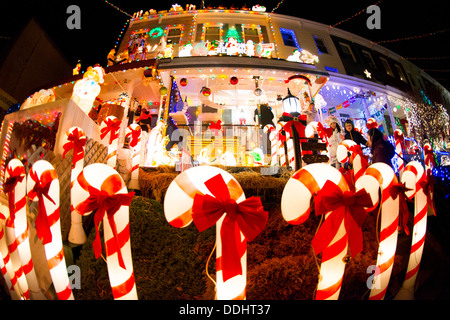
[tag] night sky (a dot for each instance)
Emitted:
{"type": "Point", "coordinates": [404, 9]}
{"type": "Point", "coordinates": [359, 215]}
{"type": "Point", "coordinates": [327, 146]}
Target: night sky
{"type": "Point", "coordinates": [101, 25]}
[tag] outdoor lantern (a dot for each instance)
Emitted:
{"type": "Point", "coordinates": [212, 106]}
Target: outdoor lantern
{"type": "Point", "coordinates": [291, 104]}
{"type": "Point", "coordinates": [295, 125]}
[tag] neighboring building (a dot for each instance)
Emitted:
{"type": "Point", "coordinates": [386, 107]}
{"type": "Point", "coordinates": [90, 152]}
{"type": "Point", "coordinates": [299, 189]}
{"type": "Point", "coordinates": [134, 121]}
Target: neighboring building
{"type": "Point", "coordinates": [30, 61]}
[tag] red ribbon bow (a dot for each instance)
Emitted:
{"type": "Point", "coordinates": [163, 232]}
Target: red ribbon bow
{"type": "Point", "coordinates": [324, 133]}
{"type": "Point", "coordinates": [76, 140]}
{"type": "Point", "coordinates": [105, 201]}
{"type": "Point", "coordinates": [215, 125]}
{"type": "Point", "coordinates": [427, 185]}
{"type": "Point", "coordinates": [346, 206]}
{"type": "Point", "coordinates": [298, 122]}
{"type": "Point", "coordinates": [398, 136]}
{"type": "Point", "coordinates": [399, 189]}
{"type": "Point", "coordinates": [356, 150]}
{"type": "Point", "coordinates": [282, 135]}
{"type": "Point", "coordinates": [15, 176]}
{"type": "Point", "coordinates": [429, 156]}
{"type": "Point", "coordinates": [40, 190]}
{"type": "Point", "coordinates": [247, 216]}
{"type": "Point", "coordinates": [112, 126]}
{"type": "Point", "coordinates": [134, 134]}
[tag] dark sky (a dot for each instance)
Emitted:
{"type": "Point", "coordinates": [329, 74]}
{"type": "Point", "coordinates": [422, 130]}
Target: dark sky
{"type": "Point", "coordinates": [101, 24]}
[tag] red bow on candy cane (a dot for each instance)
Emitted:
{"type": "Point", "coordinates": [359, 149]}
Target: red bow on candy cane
{"type": "Point", "coordinates": [298, 122]}
{"type": "Point", "coordinates": [346, 206]}
{"type": "Point", "coordinates": [40, 190]}
{"type": "Point", "coordinates": [399, 189]}
{"type": "Point", "coordinates": [429, 156]}
{"type": "Point", "coordinates": [247, 216]}
{"type": "Point", "coordinates": [15, 176]}
{"type": "Point", "coordinates": [356, 149]}
{"type": "Point", "coordinates": [105, 201]}
{"type": "Point", "coordinates": [282, 135]}
{"type": "Point", "coordinates": [427, 185]}
{"type": "Point", "coordinates": [76, 140]}
{"type": "Point", "coordinates": [215, 126]}
{"type": "Point", "coordinates": [112, 126]}
{"type": "Point", "coordinates": [134, 136]}
{"type": "Point", "coordinates": [324, 133]}
{"type": "Point", "coordinates": [398, 136]}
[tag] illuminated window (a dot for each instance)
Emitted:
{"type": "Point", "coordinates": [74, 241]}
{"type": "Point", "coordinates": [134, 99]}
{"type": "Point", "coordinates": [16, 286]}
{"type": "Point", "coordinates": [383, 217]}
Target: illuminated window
{"type": "Point", "coordinates": [174, 35]}
{"type": "Point", "coordinates": [289, 38]}
{"type": "Point", "coordinates": [251, 33]}
{"type": "Point", "coordinates": [212, 33]}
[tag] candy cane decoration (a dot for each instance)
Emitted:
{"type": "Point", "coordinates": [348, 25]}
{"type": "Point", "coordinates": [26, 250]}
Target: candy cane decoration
{"type": "Point", "coordinates": [17, 226]}
{"type": "Point", "coordinates": [109, 133]}
{"type": "Point", "coordinates": [399, 147]}
{"type": "Point", "coordinates": [99, 187]}
{"type": "Point", "coordinates": [295, 208]}
{"type": "Point", "coordinates": [6, 265]}
{"type": "Point", "coordinates": [43, 186]}
{"type": "Point", "coordinates": [76, 141]}
{"type": "Point", "coordinates": [133, 132]}
{"type": "Point", "coordinates": [430, 163]}
{"type": "Point", "coordinates": [385, 176]}
{"type": "Point", "coordinates": [414, 177]}
{"type": "Point", "coordinates": [281, 138]}
{"type": "Point", "coordinates": [192, 189]}
{"type": "Point", "coordinates": [348, 150]}
{"type": "Point", "coordinates": [270, 130]}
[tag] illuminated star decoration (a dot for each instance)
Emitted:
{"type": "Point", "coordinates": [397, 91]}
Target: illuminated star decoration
{"type": "Point", "coordinates": [367, 73]}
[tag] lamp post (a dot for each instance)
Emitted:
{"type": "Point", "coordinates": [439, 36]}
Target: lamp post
{"type": "Point", "coordinates": [296, 124]}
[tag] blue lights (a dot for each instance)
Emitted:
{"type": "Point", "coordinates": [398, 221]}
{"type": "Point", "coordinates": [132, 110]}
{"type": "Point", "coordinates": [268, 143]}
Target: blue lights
{"type": "Point", "coordinates": [289, 38]}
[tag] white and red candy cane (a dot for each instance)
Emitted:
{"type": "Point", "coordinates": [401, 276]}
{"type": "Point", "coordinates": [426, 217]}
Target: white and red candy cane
{"type": "Point", "coordinates": [76, 141]}
{"type": "Point", "coordinates": [17, 226]}
{"type": "Point", "coordinates": [109, 133]}
{"type": "Point", "coordinates": [133, 132]}
{"type": "Point", "coordinates": [178, 203]}
{"type": "Point", "coordinates": [295, 208]}
{"type": "Point", "coordinates": [430, 163]}
{"type": "Point", "coordinates": [272, 134]}
{"type": "Point", "coordinates": [101, 180]}
{"type": "Point", "coordinates": [413, 176]}
{"type": "Point", "coordinates": [280, 144]}
{"type": "Point", "coordinates": [43, 186]}
{"type": "Point", "coordinates": [385, 177]}
{"type": "Point", "coordinates": [356, 157]}
{"type": "Point", "coordinates": [6, 265]}
{"type": "Point", "coordinates": [399, 147]}
{"type": "Point", "coordinates": [289, 158]}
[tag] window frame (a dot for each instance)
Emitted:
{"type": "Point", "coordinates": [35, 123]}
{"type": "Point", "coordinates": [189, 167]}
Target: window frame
{"type": "Point", "coordinates": [324, 45]}
{"type": "Point", "coordinates": [401, 73]}
{"type": "Point", "coordinates": [180, 37]}
{"type": "Point", "coordinates": [386, 66]}
{"type": "Point", "coordinates": [212, 25]}
{"type": "Point", "coordinates": [294, 37]}
{"type": "Point", "coordinates": [369, 56]}
{"type": "Point", "coordinates": [351, 54]}
{"type": "Point", "coordinates": [258, 33]}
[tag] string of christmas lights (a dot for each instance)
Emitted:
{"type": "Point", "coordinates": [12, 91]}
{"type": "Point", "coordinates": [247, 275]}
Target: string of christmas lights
{"type": "Point", "coordinates": [353, 16]}
{"type": "Point", "coordinates": [413, 37]}
{"type": "Point", "coordinates": [428, 58]}
{"type": "Point", "coordinates": [118, 9]}
{"type": "Point", "coordinates": [276, 7]}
